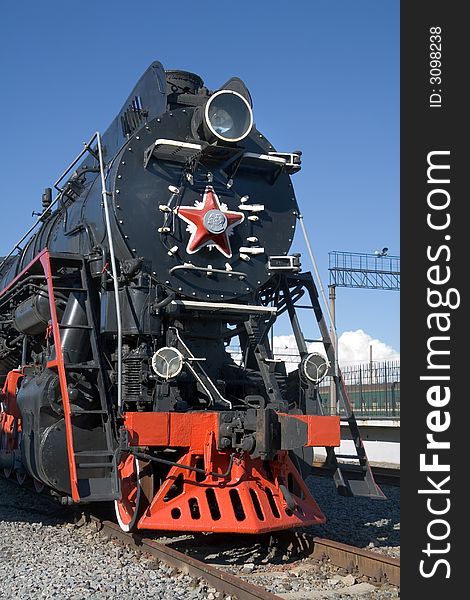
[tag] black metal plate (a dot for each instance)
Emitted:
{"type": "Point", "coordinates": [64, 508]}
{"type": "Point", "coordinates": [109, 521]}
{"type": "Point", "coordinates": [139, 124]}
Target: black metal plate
{"type": "Point", "coordinates": [139, 191]}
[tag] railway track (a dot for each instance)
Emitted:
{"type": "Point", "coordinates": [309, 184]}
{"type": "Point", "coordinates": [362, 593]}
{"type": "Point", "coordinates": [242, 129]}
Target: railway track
{"type": "Point", "coordinates": [376, 567]}
{"type": "Point", "coordinates": [379, 569]}
{"type": "Point", "coordinates": [223, 582]}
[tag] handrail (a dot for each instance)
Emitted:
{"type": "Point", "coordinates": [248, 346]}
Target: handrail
{"type": "Point", "coordinates": [209, 271]}
{"type": "Point", "coordinates": [322, 292]}
{"type": "Point", "coordinates": [105, 196]}
{"type": "Point", "coordinates": [86, 148]}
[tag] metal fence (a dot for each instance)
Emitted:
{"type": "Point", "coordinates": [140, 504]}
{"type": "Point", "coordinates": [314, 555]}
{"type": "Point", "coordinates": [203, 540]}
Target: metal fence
{"type": "Point", "coordinates": [373, 389]}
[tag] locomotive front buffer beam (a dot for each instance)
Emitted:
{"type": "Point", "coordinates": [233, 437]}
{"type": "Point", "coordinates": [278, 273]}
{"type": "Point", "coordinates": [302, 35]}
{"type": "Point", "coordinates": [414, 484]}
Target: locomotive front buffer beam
{"type": "Point", "coordinates": [235, 470]}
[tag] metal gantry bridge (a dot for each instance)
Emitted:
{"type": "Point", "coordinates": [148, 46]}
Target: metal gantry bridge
{"type": "Point", "coordinates": [368, 271]}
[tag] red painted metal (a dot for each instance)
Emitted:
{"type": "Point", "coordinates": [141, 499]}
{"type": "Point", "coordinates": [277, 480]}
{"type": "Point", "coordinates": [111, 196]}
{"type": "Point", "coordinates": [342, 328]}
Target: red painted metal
{"type": "Point", "coordinates": [44, 259]}
{"type": "Point", "coordinates": [201, 234]}
{"type": "Point", "coordinates": [322, 430]}
{"type": "Point", "coordinates": [255, 497]}
{"type": "Point", "coordinates": [188, 430]}
{"type": "Point", "coordinates": [8, 394]}
{"type": "Point", "coordinates": [23, 272]}
{"type": "Point", "coordinates": [249, 500]}
{"type": "Point", "coordinates": [10, 421]}
{"type": "Point", "coordinates": [175, 430]}
{"type": "Point", "coordinates": [128, 504]}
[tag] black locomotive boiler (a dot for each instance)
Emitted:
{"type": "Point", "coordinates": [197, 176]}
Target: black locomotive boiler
{"type": "Point", "coordinates": [167, 240]}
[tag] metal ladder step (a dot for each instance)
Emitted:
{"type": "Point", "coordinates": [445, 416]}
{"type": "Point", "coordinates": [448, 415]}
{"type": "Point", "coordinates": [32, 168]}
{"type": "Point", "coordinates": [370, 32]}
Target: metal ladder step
{"type": "Point", "coordinates": [348, 468]}
{"type": "Point", "coordinates": [97, 465]}
{"type": "Point", "coordinates": [94, 453]}
{"type": "Point", "coordinates": [349, 456]}
{"type": "Point", "coordinates": [76, 413]}
{"type": "Point", "coordinates": [69, 289]}
{"type": "Point", "coordinates": [81, 366]}
{"type": "Point", "coordinates": [96, 490]}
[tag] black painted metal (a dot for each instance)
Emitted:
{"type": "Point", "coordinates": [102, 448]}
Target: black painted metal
{"type": "Point", "coordinates": [170, 295]}
{"type": "Point", "coordinates": [138, 191]}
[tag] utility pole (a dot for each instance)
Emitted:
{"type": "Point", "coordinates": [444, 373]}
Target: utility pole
{"type": "Point", "coordinates": [332, 296]}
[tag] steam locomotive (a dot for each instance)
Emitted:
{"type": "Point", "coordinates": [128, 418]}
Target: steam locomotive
{"type": "Point", "coordinates": [167, 239]}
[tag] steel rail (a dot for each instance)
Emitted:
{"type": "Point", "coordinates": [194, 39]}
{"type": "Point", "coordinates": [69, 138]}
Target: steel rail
{"type": "Point", "coordinates": [379, 567]}
{"type": "Point", "coordinates": [372, 564]}
{"type": "Point", "coordinates": [223, 582]}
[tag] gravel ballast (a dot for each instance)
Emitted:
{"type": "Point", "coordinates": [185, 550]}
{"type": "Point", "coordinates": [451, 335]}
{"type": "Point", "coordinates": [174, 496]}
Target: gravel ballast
{"type": "Point", "coordinates": [370, 524]}
{"type": "Point", "coordinates": [44, 556]}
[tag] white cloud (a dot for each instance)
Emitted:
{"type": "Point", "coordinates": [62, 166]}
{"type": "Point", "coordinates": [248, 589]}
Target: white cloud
{"type": "Point", "coordinates": [353, 348]}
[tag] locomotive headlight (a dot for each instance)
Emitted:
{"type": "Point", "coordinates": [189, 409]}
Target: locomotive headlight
{"type": "Point", "coordinates": [228, 116]}
{"type": "Point", "coordinates": [314, 367]}
{"type": "Point", "coordinates": [167, 362]}
{"type": "Point", "coordinates": [220, 120]}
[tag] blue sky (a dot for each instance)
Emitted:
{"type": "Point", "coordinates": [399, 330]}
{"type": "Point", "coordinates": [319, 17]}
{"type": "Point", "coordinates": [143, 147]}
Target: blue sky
{"type": "Point", "coordinates": [323, 74]}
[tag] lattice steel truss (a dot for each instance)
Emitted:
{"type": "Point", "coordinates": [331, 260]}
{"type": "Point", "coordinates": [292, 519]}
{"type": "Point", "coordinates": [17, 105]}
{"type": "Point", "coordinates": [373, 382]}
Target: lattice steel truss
{"type": "Point", "coordinates": [369, 271]}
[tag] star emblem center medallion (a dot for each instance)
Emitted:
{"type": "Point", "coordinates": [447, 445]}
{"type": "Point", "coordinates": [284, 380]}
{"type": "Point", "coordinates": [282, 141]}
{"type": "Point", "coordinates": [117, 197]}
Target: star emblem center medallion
{"type": "Point", "coordinates": [210, 223]}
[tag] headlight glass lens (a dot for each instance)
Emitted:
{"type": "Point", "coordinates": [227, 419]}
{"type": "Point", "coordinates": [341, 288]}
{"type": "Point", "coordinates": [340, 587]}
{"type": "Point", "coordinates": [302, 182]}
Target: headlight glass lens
{"type": "Point", "coordinates": [228, 116]}
{"type": "Point", "coordinates": [314, 367]}
{"type": "Point", "coordinates": [167, 362]}
{"type": "Point", "coordinates": [220, 120]}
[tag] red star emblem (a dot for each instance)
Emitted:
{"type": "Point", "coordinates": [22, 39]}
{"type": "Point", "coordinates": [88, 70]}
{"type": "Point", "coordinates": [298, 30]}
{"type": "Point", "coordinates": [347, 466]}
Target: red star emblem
{"type": "Point", "coordinates": [209, 223]}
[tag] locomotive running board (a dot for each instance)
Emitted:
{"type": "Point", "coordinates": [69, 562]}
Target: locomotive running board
{"type": "Point", "coordinates": [358, 481]}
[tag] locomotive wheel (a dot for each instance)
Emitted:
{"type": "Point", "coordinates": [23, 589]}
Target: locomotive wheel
{"type": "Point", "coordinates": [136, 491]}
